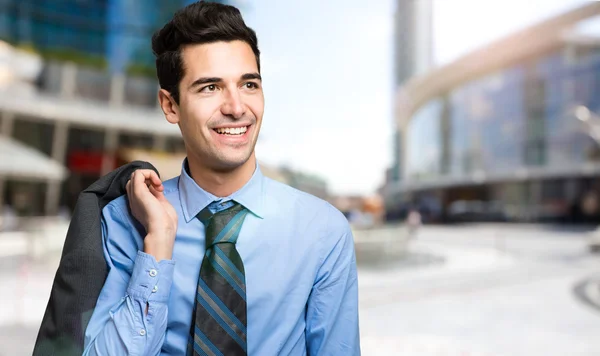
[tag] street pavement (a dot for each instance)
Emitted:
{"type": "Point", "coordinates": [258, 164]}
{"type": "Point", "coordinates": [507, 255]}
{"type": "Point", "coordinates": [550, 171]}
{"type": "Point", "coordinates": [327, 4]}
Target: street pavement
{"type": "Point", "coordinates": [497, 290]}
{"type": "Point", "coordinates": [502, 290]}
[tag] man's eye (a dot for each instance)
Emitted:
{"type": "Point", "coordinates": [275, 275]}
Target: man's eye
{"type": "Point", "coordinates": [251, 85]}
{"type": "Point", "coordinates": [211, 87]}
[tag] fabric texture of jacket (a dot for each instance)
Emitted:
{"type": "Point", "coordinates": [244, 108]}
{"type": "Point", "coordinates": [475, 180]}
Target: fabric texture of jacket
{"type": "Point", "coordinates": [82, 270]}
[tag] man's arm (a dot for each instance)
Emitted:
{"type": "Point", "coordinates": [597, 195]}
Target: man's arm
{"type": "Point", "coordinates": [332, 310]}
{"type": "Point", "coordinates": [130, 317]}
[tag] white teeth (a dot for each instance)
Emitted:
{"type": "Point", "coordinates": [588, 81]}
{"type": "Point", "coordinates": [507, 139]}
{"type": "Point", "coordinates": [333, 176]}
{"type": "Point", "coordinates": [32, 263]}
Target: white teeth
{"type": "Point", "coordinates": [232, 130]}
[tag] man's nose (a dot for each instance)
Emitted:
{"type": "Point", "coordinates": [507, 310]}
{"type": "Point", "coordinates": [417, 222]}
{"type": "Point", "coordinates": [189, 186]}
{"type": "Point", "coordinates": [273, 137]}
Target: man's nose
{"type": "Point", "coordinates": [233, 105]}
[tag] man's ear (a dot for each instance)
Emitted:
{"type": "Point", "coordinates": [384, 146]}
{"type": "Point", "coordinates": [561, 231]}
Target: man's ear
{"type": "Point", "coordinates": [168, 106]}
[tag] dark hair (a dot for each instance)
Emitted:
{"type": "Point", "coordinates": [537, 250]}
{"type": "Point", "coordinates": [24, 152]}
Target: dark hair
{"type": "Point", "coordinates": [198, 23]}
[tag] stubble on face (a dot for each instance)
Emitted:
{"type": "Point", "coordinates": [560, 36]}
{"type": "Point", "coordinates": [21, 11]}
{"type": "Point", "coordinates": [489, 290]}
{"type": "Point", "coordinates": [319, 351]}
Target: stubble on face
{"type": "Point", "coordinates": [221, 104]}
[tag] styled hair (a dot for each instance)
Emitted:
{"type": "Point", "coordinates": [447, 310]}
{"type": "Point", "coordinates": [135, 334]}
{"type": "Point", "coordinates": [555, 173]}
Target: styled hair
{"type": "Point", "coordinates": [198, 23]}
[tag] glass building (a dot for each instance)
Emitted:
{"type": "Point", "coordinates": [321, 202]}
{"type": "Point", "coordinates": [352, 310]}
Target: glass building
{"type": "Point", "coordinates": [413, 46]}
{"type": "Point", "coordinates": [494, 135]}
{"type": "Point", "coordinates": [107, 33]}
{"type": "Point", "coordinates": [50, 25]}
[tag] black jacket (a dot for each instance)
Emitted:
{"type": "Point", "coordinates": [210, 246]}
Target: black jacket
{"type": "Point", "coordinates": [82, 270]}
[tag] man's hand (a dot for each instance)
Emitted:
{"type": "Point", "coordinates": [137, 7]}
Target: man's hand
{"type": "Point", "coordinates": [150, 207]}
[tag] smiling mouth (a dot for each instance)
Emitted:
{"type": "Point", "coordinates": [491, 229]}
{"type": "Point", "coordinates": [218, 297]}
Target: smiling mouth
{"type": "Point", "coordinates": [232, 131]}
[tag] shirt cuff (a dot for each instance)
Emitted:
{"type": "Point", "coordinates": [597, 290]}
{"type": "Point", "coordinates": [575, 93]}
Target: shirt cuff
{"type": "Point", "coordinates": [151, 280]}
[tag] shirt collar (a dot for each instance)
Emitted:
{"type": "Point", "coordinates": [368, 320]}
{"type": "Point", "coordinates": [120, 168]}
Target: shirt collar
{"type": "Point", "coordinates": [194, 199]}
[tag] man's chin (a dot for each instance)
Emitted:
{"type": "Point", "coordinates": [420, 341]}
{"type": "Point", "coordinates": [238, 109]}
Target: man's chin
{"type": "Point", "coordinates": [228, 164]}
{"type": "Point", "coordinates": [221, 160]}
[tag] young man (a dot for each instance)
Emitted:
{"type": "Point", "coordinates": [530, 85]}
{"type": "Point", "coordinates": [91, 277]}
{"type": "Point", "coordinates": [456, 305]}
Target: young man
{"type": "Point", "coordinates": [221, 260]}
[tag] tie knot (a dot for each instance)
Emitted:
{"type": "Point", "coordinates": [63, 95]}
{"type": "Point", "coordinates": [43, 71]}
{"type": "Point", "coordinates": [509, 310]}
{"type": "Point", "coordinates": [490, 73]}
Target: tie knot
{"type": "Point", "coordinates": [223, 226]}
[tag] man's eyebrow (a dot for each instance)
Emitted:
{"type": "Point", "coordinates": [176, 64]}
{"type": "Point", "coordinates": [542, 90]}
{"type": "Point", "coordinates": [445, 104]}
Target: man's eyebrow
{"type": "Point", "coordinates": [249, 76]}
{"type": "Point", "coordinates": [206, 80]}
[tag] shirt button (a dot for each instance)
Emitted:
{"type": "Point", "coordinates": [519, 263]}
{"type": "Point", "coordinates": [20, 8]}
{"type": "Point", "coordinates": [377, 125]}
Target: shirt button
{"type": "Point", "coordinates": [153, 273]}
{"type": "Point", "coordinates": [155, 289]}
{"type": "Point", "coordinates": [142, 332]}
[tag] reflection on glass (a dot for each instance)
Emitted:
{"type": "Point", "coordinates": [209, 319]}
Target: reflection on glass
{"type": "Point", "coordinates": [512, 119]}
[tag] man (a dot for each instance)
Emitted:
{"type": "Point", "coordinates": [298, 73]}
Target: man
{"type": "Point", "coordinates": [221, 260]}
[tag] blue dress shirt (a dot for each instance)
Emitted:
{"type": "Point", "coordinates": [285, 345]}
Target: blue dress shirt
{"type": "Point", "coordinates": [301, 282]}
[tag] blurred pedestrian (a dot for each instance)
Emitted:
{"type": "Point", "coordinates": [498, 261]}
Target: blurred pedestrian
{"type": "Point", "coordinates": [413, 222]}
{"type": "Point", "coordinates": [9, 221]}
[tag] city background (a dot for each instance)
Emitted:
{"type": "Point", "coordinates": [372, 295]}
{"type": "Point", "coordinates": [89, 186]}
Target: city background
{"type": "Point", "coordinates": [461, 139]}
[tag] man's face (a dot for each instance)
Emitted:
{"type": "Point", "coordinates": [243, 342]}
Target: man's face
{"type": "Point", "coordinates": [221, 103]}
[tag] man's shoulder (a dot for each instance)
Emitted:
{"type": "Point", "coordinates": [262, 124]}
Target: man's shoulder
{"type": "Point", "coordinates": [117, 207]}
{"type": "Point", "coordinates": [289, 198]}
{"type": "Point", "coordinates": [171, 185]}
{"type": "Point", "coordinates": [288, 194]}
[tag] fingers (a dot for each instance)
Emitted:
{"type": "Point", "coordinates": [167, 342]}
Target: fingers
{"type": "Point", "coordinates": [156, 186]}
{"type": "Point", "coordinates": [143, 174]}
{"type": "Point", "coordinates": [157, 193]}
{"type": "Point", "coordinates": [142, 178]}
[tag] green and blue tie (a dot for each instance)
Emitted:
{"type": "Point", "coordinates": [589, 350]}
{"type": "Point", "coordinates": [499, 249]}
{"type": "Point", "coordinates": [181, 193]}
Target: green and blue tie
{"type": "Point", "coordinates": [219, 320]}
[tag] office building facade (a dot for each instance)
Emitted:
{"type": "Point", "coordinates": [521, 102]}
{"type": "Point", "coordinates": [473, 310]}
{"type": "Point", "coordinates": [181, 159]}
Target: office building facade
{"type": "Point", "coordinates": [413, 33]}
{"type": "Point", "coordinates": [495, 135]}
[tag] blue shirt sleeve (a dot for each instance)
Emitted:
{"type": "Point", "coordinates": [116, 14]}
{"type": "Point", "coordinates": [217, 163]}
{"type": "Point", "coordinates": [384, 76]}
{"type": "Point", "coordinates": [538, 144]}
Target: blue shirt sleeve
{"type": "Point", "coordinates": [332, 309]}
{"type": "Point", "coordinates": [136, 281]}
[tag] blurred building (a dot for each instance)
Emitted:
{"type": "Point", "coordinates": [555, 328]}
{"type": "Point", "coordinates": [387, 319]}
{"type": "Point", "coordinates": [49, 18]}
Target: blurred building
{"type": "Point", "coordinates": [413, 35]}
{"type": "Point", "coordinates": [364, 211]}
{"type": "Point", "coordinates": [78, 85]}
{"type": "Point", "coordinates": [307, 183]}
{"type": "Point", "coordinates": [111, 33]}
{"type": "Point", "coordinates": [413, 55]}
{"type": "Point", "coordinates": [493, 135]}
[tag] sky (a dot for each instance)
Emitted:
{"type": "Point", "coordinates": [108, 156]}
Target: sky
{"type": "Point", "coordinates": [327, 69]}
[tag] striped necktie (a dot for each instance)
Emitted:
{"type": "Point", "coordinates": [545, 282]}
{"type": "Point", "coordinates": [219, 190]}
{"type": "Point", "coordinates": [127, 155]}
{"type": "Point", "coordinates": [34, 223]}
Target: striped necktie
{"type": "Point", "coordinates": [219, 320]}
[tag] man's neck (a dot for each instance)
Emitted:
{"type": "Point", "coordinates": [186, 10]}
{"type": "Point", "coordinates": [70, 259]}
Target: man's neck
{"type": "Point", "coordinates": [221, 183]}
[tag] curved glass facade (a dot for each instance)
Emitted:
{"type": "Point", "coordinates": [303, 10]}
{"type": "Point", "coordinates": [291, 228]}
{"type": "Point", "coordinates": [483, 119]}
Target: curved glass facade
{"type": "Point", "coordinates": [424, 142]}
{"type": "Point", "coordinates": [515, 118]}
{"type": "Point", "coordinates": [506, 144]}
